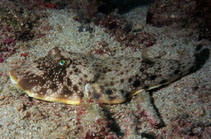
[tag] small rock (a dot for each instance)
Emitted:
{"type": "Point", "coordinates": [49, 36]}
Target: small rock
{"type": "Point", "coordinates": [137, 27]}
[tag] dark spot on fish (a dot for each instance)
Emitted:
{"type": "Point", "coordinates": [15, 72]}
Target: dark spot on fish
{"type": "Point", "coordinates": [69, 82]}
{"type": "Point", "coordinates": [96, 95]}
{"type": "Point", "coordinates": [66, 91]}
{"type": "Point", "coordinates": [141, 70]}
{"type": "Point", "coordinates": [147, 61]}
{"type": "Point", "coordinates": [102, 78]}
{"type": "Point", "coordinates": [111, 98]}
{"type": "Point", "coordinates": [112, 78]}
{"type": "Point", "coordinates": [104, 71]}
{"type": "Point", "coordinates": [102, 87]}
{"type": "Point", "coordinates": [124, 92]}
{"type": "Point", "coordinates": [176, 72]}
{"type": "Point", "coordinates": [81, 94]}
{"type": "Point", "coordinates": [105, 68]}
{"type": "Point", "coordinates": [109, 70]}
{"type": "Point", "coordinates": [81, 79]}
{"type": "Point", "coordinates": [163, 81]}
{"type": "Point", "coordinates": [76, 70]}
{"type": "Point", "coordinates": [79, 83]}
{"type": "Point", "coordinates": [85, 76]}
{"type": "Point", "coordinates": [43, 91]}
{"type": "Point", "coordinates": [111, 83]}
{"type": "Point", "coordinates": [75, 88]}
{"type": "Point", "coordinates": [79, 71]}
{"type": "Point", "coordinates": [61, 77]}
{"type": "Point", "coordinates": [118, 62]}
{"type": "Point", "coordinates": [106, 84]}
{"type": "Point", "coordinates": [153, 77]}
{"type": "Point", "coordinates": [122, 80]}
{"type": "Point", "coordinates": [79, 63]}
{"type": "Point", "coordinates": [159, 69]}
{"type": "Point", "coordinates": [129, 80]}
{"type": "Point", "coordinates": [108, 91]}
{"type": "Point", "coordinates": [53, 86]}
{"type": "Point", "coordinates": [30, 99]}
{"type": "Point", "coordinates": [136, 83]}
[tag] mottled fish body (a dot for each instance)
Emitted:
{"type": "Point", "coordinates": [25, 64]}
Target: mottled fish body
{"type": "Point", "coordinates": [68, 77]}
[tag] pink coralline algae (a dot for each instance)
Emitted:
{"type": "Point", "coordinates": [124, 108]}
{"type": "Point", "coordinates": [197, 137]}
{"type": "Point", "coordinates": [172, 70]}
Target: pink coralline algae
{"type": "Point", "coordinates": [1, 60]}
{"type": "Point", "coordinates": [10, 41]}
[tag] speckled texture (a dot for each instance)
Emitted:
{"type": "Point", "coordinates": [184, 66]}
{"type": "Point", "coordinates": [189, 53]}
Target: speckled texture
{"type": "Point", "coordinates": [184, 105]}
{"type": "Point", "coordinates": [64, 76]}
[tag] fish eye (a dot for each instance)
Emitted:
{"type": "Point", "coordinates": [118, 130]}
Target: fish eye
{"type": "Point", "coordinates": [62, 62]}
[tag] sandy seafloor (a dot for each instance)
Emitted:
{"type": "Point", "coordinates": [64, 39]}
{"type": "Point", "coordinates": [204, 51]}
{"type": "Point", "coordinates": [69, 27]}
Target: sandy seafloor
{"type": "Point", "coordinates": [184, 105]}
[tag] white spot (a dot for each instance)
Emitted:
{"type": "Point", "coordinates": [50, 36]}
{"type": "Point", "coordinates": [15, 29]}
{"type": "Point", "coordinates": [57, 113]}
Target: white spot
{"type": "Point", "coordinates": [49, 91]}
{"type": "Point", "coordinates": [32, 94]}
{"type": "Point", "coordinates": [87, 89]}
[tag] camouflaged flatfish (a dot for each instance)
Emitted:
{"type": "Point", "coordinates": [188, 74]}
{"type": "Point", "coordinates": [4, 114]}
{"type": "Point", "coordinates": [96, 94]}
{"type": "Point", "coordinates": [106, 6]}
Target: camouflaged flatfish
{"type": "Point", "coordinates": [69, 77]}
